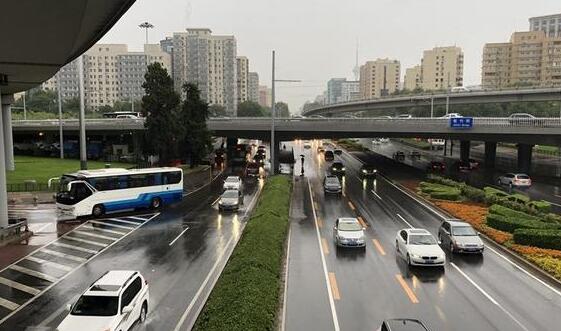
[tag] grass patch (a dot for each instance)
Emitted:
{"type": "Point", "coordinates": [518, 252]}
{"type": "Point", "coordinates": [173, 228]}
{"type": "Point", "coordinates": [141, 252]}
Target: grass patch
{"type": "Point", "coordinates": [246, 296]}
{"type": "Point", "coordinates": [41, 169]}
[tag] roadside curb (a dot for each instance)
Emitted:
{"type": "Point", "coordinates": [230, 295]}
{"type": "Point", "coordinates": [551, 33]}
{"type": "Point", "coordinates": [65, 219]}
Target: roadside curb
{"type": "Point", "coordinates": [286, 258]}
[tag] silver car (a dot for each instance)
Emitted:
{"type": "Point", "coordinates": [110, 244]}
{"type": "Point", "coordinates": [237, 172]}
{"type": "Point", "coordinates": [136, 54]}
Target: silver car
{"type": "Point", "coordinates": [332, 185]}
{"type": "Point", "coordinates": [460, 237]}
{"type": "Point", "coordinates": [230, 200]}
{"type": "Point", "coordinates": [348, 232]}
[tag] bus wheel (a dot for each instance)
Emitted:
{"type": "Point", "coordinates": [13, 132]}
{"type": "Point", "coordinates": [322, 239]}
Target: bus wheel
{"type": "Point", "coordinates": [155, 203]}
{"type": "Point", "coordinates": [98, 211]}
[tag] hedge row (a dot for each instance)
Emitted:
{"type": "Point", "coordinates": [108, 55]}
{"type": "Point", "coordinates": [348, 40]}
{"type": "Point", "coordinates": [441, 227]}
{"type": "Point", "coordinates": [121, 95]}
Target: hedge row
{"type": "Point", "coordinates": [510, 224]}
{"type": "Point", "coordinates": [470, 192]}
{"type": "Point", "coordinates": [439, 191]}
{"type": "Point", "coordinates": [538, 238]}
{"type": "Point", "coordinates": [507, 212]}
{"type": "Point", "coordinates": [246, 296]}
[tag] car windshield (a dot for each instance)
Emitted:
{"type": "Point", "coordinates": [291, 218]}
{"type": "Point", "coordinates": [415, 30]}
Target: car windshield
{"type": "Point", "coordinates": [422, 239]}
{"type": "Point", "coordinates": [337, 164]}
{"type": "Point", "coordinates": [349, 226]}
{"type": "Point", "coordinates": [231, 180]}
{"type": "Point", "coordinates": [230, 194]}
{"type": "Point", "coordinates": [463, 231]}
{"type": "Point", "coordinates": [93, 305]}
{"type": "Point", "coordinates": [523, 177]}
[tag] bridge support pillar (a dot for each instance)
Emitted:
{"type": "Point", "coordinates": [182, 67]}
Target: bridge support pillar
{"type": "Point", "coordinates": [490, 154]}
{"type": "Point", "coordinates": [7, 101]}
{"type": "Point", "coordinates": [3, 186]}
{"type": "Point", "coordinates": [275, 162]}
{"type": "Point", "coordinates": [525, 157]}
{"type": "Point", "coordinates": [230, 143]}
{"type": "Point", "coordinates": [465, 146]}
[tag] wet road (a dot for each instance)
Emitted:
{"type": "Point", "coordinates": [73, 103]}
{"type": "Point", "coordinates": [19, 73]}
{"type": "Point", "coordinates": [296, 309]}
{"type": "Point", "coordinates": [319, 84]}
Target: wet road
{"type": "Point", "coordinates": [180, 251]}
{"type": "Point", "coordinates": [353, 290]}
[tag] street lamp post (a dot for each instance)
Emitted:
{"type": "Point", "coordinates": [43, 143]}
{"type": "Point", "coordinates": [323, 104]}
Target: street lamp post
{"type": "Point", "coordinates": [24, 108]}
{"type": "Point", "coordinates": [60, 132]}
{"type": "Point", "coordinates": [146, 26]}
{"type": "Point", "coordinates": [82, 120]}
{"type": "Point", "coordinates": [431, 106]}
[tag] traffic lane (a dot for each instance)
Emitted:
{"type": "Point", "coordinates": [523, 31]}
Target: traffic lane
{"type": "Point", "coordinates": [171, 279]}
{"type": "Point", "coordinates": [496, 276]}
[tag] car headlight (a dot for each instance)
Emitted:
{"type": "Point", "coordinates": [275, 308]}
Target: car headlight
{"type": "Point", "coordinates": [334, 168]}
{"type": "Point", "coordinates": [364, 171]}
{"type": "Point", "coordinates": [375, 171]}
{"type": "Point", "coordinates": [343, 168]}
{"type": "Point", "coordinates": [415, 256]}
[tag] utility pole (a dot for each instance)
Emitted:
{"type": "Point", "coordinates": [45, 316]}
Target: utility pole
{"type": "Point", "coordinates": [60, 132]}
{"type": "Point", "coordinates": [431, 106]}
{"type": "Point", "coordinates": [447, 102]}
{"type": "Point", "coordinates": [273, 148]}
{"type": "Point", "coordinates": [24, 107]}
{"type": "Point", "coordinates": [82, 120]}
{"type": "Point", "coordinates": [146, 26]}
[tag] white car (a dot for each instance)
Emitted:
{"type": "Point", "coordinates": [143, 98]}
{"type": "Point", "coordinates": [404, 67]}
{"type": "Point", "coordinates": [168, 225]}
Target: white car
{"type": "Point", "coordinates": [233, 183]}
{"type": "Point", "coordinates": [419, 248]}
{"type": "Point", "coordinates": [307, 145]}
{"type": "Point", "coordinates": [405, 116]}
{"type": "Point", "coordinates": [285, 169]}
{"type": "Point", "coordinates": [127, 116]}
{"type": "Point", "coordinates": [348, 232]}
{"type": "Point", "coordinates": [114, 302]}
{"type": "Point", "coordinates": [519, 180]}
{"type": "Point", "coordinates": [384, 140]}
{"type": "Point", "coordinates": [376, 141]}
{"type": "Point", "coordinates": [452, 115]}
{"type": "Point", "coordinates": [230, 200]}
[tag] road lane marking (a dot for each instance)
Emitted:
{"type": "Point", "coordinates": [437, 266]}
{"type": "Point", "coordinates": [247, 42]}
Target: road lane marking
{"type": "Point", "coordinates": [85, 233]}
{"type": "Point", "coordinates": [123, 221]}
{"type": "Point", "coordinates": [63, 255]}
{"type": "Point", "coordinates": [362, 222]}
{"type": "Point", "coordinates": [8, 304]}
{"type": "Point", "coordinates": [334, 287]}
{"type": "Point", "coordinates": [43, 227]}
{"type": "Point", "coordinates": [406, 289]}
{"type": "Point", "coordinates": [316, 206]}
{"type": "Point", "coordinates": [325, 246]}
{"type": "Point", "coordinates": [376, 194]}
{"type": "Point", "coordinates": [178, 236]}
{"type": "Point", "coordinates": [112, 225]}
{"type": "Point", "coordinates": [434, 211]}
{"type": "Point", "coordinates": [19, 286]}
{"type": "Point", "coordinates": [324, 265]}
{"type": "Point", "coordinates": [378, 247]}
{"type": "Point", "coordinates": [95, 243]}
{"type": "Point", "coordinates": [48, 263]}
{"type": "Point", "coordinates": [215, 201]}
{"type": "Point", "coordinates": [287, 261]}
{"type": "Point", "coordinates": [488, 296]}
{"type": "Point", "coordinates": [109, 231]}
{"type": "Point", "coordinates": [351, 205]}
{"type": "Point", "coordinates": [404, 220]}
{"type": "Point", "coordinates": [33, 273]}
{"type": "Point", "coordinates": [320, 222]}
{"type": "Point", "coordinates": [344, 194]}
{"type": "Point", "coordinates": [140, 218]}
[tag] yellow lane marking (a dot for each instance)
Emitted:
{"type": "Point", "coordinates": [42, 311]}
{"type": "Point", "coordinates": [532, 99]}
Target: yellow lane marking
{"type": "Point", "coordinates": [407, 289]}
{"type": "Point", "coordinates": [352, 206]}
{"type": "Point", "coordinates": [316, 205]}
{"type": "Point", "coordinates": [379, 247]}
{"type": "Point", "coordinates": [325, 246]}
{"type": "Point", "coordinates": [344, 194]}
{"type": "Point", "coordinates": [320, 222]}
{"type": "Point", "coordinates": [334, 287]}
{"type": "Point", "coordinates": [362, 222]}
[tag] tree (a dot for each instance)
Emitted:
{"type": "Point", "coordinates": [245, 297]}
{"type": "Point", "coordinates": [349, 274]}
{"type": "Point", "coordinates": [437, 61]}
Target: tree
{"type": "Point", "coordinates": [196, 138]}
{"type": "Point", "coordinates": [160, 107]}
{"type": "Point", "coordinates": [281, 110]}
{"type": "Point", "coordinates": [217, 111]}
{"type": "Point", "coordinates": [250, 109]}
{"type": "Point", "coordinates": [38, 100]}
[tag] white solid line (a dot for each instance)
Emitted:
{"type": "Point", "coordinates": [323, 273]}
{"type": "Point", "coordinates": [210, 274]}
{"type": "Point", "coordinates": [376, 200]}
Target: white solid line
{"type": "Point", "coordinates": [324, 264]}
{"type": "Point", "coordinates": [283, 325]}
{"type": "Point", "coordinates": [179, 236]}
{"type": "Point", "coordinates": [404, 220]}
{"type": "Point", "coordinates": [57, 312]}
{"type": "Point", "coordinates": [47, 263]}
{"type": "Point", "coordinates": [8, 304]}
{"type": "Point", "coordinates": [42, 228]}
{"type": "Point", "coordinates": [376, 194]}
{"type": "Point", "coordinates": [19, 286]}
{"type": "Point", "coordinates": [123, 221]}
{"type": "Point", "coordinates": [488, 296]}
{"type": "Point", "coordinates": [112, 225]}
{"type": "Point", "coordinates": [63, 255]}
{"type": "Point", "coordinates": [95, 235]}
{"type": "Point", "coordinates": [215, 201]}
{"type": "Point", "coordinates": [33, 273]}
{"type": "Point", "coordinates": [96, 229]}
{"type": "Point", "coordinates": [95, 243]}
{"type": "Point", "coordinates": [137, 218]}
{"type": "Point", "coordinates": [76, 248]}
{"type": "Point", "coordinates": [201, 288]}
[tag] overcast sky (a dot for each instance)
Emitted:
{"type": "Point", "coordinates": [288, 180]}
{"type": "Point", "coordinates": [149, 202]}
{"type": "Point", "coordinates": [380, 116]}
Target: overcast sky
{"type": "Point", "coordinates": [315, 40]}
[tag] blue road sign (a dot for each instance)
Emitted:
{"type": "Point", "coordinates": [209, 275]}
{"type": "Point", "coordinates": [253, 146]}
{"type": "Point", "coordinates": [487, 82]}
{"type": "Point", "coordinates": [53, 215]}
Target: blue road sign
{"type": "Point", "coordinates": [461, 123]}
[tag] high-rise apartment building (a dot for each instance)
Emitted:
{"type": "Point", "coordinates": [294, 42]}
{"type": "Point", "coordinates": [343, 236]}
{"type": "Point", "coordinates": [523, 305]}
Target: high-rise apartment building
{"type": "Point", "coordinates": [350, 91]}
{"type": "Point", "coordinates": [550, 24]}
{"type": "Point", "coordinates": [334, 89]}
{"type": "Point", "coordinates": [253, 87]}
{"type": "Point", "coordinates": [210, 62]}
{"type": "Point", "coordinates": [242, 79]}
{"type": "Point", "coordinates": [442, 68]}
{"type": "Point", "coordinates": [412, 79]}
{"type": "Point", "coordinates": [265, 97]}
{"type": "Point", "coordinates": [530, 58]}
{"type": "Point", "coordinates": [111, 73]}
{"type": "Point", "coordinates": [379, 78]}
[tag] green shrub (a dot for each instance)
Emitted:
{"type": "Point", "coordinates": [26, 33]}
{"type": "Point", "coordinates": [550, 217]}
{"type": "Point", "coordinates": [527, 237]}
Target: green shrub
{"type": "Point", "coordinates": [451, 194]}
{"type": "Point", "coordinates": [540, 206]}
{"type": "Point", "coordinates": [444, 181]}
{"type": "Point", "coordinates": [552, 218]}
{"type": "Point", "coordinates": [432, 187]}
{"type": "Point", "coordinates": [518, 198]}
{"type": "Point", "coordinates": [493, 196]}
{"type": "Point", "coordinates": [538, 238]}
{"type": "Point", "coordinates": [508, 212]}
{"type": "Point", "coordinates": [510, 224]}
{"type": "Point", "coordinates": [518, 206]}
{"type": "Point", "coordinates": [472, 193]}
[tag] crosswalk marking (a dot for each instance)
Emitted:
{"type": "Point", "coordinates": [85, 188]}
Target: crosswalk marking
{"type": "Point", "coordinates": [19, 286]}
{"type": "Point", "coordinates": [95, 235]}
{"type": "Point", "coordinates": [33, 273]}
{"type": "Point", "coordinates": [138, 218]}
{"type": "Point", "coordinates": [63, 255]}
{"type": "Point", "coordinates": [81, 249]}
{"type": "Point", "coordinates": [95, 243]}
{"type": "Point", "coordinates": [123, 221]}
{"type": "Point", "coordinates": [113, 225]}
{"type": "Point", "coordinates": [48, 263]}
{"type": "Point", "coordinates": [8, 304]}
{"type": "Point", "coordinates": [109, 231]}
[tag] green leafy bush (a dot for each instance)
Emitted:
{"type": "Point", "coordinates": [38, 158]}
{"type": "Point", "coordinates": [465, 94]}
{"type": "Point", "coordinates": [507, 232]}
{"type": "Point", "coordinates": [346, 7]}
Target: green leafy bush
{"type": "Point", "coordinates": [493, 196]}
{"type": "Point", "coordinates": [510, 224]}
{"type": "Point", "coordinates": [444, 181]}
{"type": "Point", "coordinates": [508, 212]}
{"type": "Point", "coordinates": [552, 218]}
{"type": "Point", "coordinates": [432, 187]}
{"type": "Point", "coordinates": [518, 198]}
{"type": "Point", "coordinates": [538, 238]}
{"type": "Point", "coordinates": [540, 206]}
{"type": "Point", "coordinates": [451, 194]}
{"type": "Point", "coordinates": [472, 193]}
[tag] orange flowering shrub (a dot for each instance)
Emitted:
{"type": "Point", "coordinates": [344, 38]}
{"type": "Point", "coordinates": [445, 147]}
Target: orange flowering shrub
{"type": "Point", "coordinates": [529, 250]}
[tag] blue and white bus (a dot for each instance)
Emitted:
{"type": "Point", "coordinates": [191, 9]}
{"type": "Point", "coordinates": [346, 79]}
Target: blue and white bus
{"type": "Point", "coordinates": [97, 192]}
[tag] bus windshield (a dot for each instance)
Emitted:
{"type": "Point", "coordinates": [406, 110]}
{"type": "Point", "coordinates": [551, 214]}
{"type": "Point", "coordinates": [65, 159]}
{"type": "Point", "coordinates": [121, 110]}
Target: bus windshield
{"type": "Point", "coordinates": [64, 181]}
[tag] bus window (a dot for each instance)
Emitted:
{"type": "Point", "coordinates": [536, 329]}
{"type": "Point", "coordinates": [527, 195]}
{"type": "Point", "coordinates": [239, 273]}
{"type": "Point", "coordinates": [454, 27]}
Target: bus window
{"type": "Point", "coordinates": [79, 191]}
{"type": "Point", "coordinates": [172, 177]}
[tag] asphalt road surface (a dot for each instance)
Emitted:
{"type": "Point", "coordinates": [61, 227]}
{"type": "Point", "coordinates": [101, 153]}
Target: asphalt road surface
{"type": "Point", "coordinates": [345, 289]}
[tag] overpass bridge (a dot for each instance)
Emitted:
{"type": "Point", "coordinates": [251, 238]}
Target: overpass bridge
{"type": "Point", "coordinates": [440, 99]}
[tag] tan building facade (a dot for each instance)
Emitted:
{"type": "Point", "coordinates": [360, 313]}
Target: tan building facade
{"type": "Point", "coordinates": [529, 59]}
{"type": "Point", "coordinates": [265, 97]}
{"type": "Point", "coordinates": [412, 79]}
{"type": "Point", "coordinates": [442, 68]}
{"type": "Point", "coordinates": [379, 78]}
{"type": "Point", "coordinates": [242, 65]}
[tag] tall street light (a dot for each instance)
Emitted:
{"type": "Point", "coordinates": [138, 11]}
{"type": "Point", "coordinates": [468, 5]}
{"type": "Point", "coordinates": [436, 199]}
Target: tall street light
{"type": "Point", "coordinates": [146, 26]}
{"type": "Point", "coordinates": [82, 120]}
{"type": "Point", "coordinates": [60, 132]}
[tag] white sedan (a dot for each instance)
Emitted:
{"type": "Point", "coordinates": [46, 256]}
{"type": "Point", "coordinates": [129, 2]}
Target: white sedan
{"type": "Point", "coordinates": [419, 248]}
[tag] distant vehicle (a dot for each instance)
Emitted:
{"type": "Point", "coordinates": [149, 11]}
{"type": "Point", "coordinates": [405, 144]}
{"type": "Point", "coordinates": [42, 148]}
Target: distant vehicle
{"type": "Point", "coordinates": [376, 141]}
{"type": "Point", "coordinates": [116, 301]}
{"type": "Point", "coordinates": [347, 116]}
{"type": "Point", "coordinates": [97, 192]}
{"type": "Point", "coordinates": [338, 151]}
{"type": "Point", "coordinates": [451, 115]}
{"type": "Point", "coordinates": [459, 89]}
{"type": "Point", "coordinates": [436, 166]}
{"type": "Point", "coordinates": [404, 116]}
{"type": "Point", "coordinates": [368, 170]}
{"type": "Point", "coordinates": [316, 116]}
{"type": "Point", "coordinates": [437, 143]}
{"type": "Point", "coordinates": [460, 237]}
{"type": "Point", "coordinates": [518, 180]}
{"type": "Point", "coordinates": [384, 140]}
{"type": "Point", "coordinates": [285, 169]}
{"type": "Point", "coordinates": [253, 169]}
{"type": "Point", "coordinates": [399, 156]}
{"type": "Point", "coordinates": [337, 168]}
{"type": "Point", "coordinates": [233, 183]}
{"type": "Point", "coordinates": [230, 200]}
{"type": "Point", "coordinates": [127, 116]}
{"type": "Point", "coordinates": [403, 324]}
{"type": "Point", "coordinates": [307, 145]}
{"type": "Point", "coordinates": [473, 164]}
{"type": "Point", "coordinates": [348, 232]}
{"type": "Point", "coordinates": [329, 156]}
{"type": "Point", "coordinates": [418, 247]}
{"type": "Point", "coordinates": [262, 148]}
{"type": "Point", "coordinates": [298, 117]}
{"type": "Point", "coordinates": [462, 166]}
{"type": "Point", "coordinates": [383, 117]}
{"type": "Point", "coordinates": [415, 155]}
{"type": "Point", "coordinates": [239, 155]}
{"type": "Point", "coordinates": [122, 113]}
{"type": "Point", "coordinates": [332, 185]}
{"type": "Point", "coordinates": [321, 149]}
{"type": "Point", "coordinates": [521, 119]}
{"type": "Point", "coordinates": [259, 158]}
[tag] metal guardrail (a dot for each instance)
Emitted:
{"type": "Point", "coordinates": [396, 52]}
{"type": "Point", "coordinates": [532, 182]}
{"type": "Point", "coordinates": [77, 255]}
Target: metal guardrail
{"type": "Point", "coordinates": [13, 230]}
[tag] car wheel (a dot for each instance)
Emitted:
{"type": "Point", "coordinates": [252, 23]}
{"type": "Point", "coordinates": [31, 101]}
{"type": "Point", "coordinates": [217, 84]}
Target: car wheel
{"type": "Point", "coordinates": [143, 312]}
{"type": "Point", "coordinates": [155, 203]}
{"type": "Point", "coordinates": [98, 211]}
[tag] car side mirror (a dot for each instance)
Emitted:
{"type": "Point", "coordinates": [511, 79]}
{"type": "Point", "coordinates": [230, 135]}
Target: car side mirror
{"type": "Point", "coordinates": [335, 227]}
{"type": "Point", "coordinates": [478, 233]}
{"type": "Point", "coordinates": [127, 310]}
{"type": "Point", "coordinates": [439, 242]}
{"type": "Point", "coordinates": [69, 307]}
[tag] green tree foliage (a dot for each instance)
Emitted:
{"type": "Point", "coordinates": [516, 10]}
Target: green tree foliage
{"type": "Point", "coordinates": [250, 109]}
{"type": "Point", "coordinates": [281, 109]}
{"type": "Point", "coordinates": [217, 111]}
{"type": "Point", "coordinates": [37, 100]}
{"type": "Point", "coordinates": [196, 138]}
{"type": "Point", "coordinates": [160, 107]}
